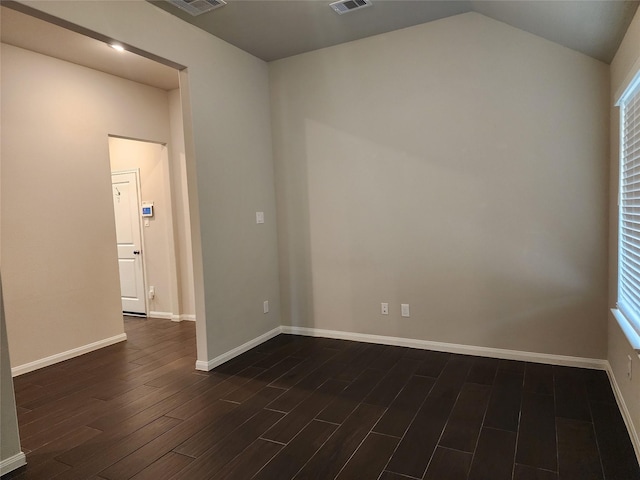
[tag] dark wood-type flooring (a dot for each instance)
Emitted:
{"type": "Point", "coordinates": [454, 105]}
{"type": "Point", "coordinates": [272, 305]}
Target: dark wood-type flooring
{"type": "Point", "coordinates": [312, 408]}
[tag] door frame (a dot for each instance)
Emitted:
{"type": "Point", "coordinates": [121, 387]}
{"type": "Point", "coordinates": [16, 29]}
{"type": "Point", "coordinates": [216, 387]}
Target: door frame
{"type": "Point", "coordinates": [136, 172]}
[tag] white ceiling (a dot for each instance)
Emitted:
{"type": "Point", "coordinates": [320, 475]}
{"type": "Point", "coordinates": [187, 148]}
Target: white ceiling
{"type": "Point", "coordinates": [273, 29]}
{"type": "Point", "coordinates": [33, 34]}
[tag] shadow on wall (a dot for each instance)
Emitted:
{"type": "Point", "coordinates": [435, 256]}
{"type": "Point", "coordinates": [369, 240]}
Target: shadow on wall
{"type": "Point", "coordinates": [483, 259]}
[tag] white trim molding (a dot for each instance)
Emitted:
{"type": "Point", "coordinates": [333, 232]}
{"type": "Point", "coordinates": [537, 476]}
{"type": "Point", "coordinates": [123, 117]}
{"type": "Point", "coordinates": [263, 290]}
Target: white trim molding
{"type": "Point", "coordinates": [627, 329]}
{"type": "Point", "coordinates": [12, 463]}
{"type": "Point", "coordinates": [225, 357]}
{"type": "Point", "coordinates": [547, 358]}
{"type": "Point", "coordinates": [626, 415]}
{"type": "Point", "coordinates": [61, 357]}
{"type": "Point", "coordinates": [163, 315]}
{"type": "Point", "coordinates": [172, 316]}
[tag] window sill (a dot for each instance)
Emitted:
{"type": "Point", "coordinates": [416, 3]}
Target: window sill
{"type": "Point", "coordinates": [627, 329]}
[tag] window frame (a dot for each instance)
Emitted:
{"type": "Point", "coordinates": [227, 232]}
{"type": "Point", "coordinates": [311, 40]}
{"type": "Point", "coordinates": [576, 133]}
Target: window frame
{"type": "Point", "coordinates": [625, 314]}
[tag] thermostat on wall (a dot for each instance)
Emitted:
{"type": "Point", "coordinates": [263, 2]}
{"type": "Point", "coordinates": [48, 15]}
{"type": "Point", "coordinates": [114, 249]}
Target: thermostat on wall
{"type": "Point", "coordinates": [147, 209]}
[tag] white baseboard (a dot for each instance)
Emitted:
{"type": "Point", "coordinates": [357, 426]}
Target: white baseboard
{"type": "Point", "coordinates": [592, 363]}
{"type": "Point", "coordinates": [225, 357]}
{"type": "Point", "coordinates": [12, 463]}
{"type": "Point", "coordinates": [172, 316]}
{"type": "Point", "coordinates": [60, 357]}
{"type": "Point", "coordinates": [626, 415]}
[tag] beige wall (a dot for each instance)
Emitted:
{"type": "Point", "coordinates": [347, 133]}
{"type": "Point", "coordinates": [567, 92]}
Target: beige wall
{"type": "Point", "coordinates": [58, 236]}
{"type": "Point", "coordinates": [182, 218]}
{"type": "Point", "coordinates": [624, 66]}
{"type": "Point", "coordinates": [458, 166]}
{"type": "Point", "coordinates": [158, 238]}
{"type": "Point", "coordinates": [230, 141]}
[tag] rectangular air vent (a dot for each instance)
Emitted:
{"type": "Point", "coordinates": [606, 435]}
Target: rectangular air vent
{"type": "Point", "coordinates": [197, 7]}
{"type": "Point", "coordinates": [345, 6]}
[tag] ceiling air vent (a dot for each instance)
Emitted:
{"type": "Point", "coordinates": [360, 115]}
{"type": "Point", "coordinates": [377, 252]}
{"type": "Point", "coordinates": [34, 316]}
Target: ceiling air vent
{"type": "Point", "coordinates": [345, 6]}
{"type": "Point", "coordinates": [198, 7]}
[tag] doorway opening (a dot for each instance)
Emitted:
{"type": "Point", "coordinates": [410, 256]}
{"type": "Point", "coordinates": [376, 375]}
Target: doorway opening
{"type": "Point", "coordinates": [152, 230]}
{"type": "Point", "coordinates": [72, 257]}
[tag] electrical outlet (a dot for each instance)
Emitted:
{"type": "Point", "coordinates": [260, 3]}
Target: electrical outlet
{"type": "Point", "coordinates": [629, 367]}
{"type": "Point", "coordinates": [404, 308]}
{"type": "Point", "coordinates": [152, 293]}
{"type": "Point", "coordinates": [259, 217]}
{"type": "Point", "coordinates": [265, 306]}
{"type": "Point", "coordinates": [384, 308]}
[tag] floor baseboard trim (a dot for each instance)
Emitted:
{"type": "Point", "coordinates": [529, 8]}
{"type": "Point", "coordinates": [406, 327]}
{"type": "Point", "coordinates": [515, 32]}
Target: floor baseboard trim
{"type": "Point", "coordinates": [61, 357]}
{"type": "Point", "coordinates": [626, 415]}
{"type": "Point", "coordinates": [12, 463]}
{"type": "Point", "coordinates": [172, 316]}
{"type": "Point", "coordinates": [592, 363]}
{"type": "Point", "coordinates": [225, 357]}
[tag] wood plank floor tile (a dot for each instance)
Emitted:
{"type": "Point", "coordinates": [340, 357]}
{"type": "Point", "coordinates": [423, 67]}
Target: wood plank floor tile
{"type": "Point", "coordinates": [53, 432]}
{"type": "Point", "coordinates": [448, 464]}
{"type": "Point", "coordinates": [139, 410]}
{"type": "Point", "coordinates": [294, 421]}
{"type": "Point", "coordinates": [295, 455]}
{"type": "Point", "coordinates": [249, 462]}
{"type": "Point", "coordinates": [164, 468]}
{"type": "Point", "coordinates": [599, 388]}
{"type": "Point", "coordinates": [616, 450]}
{"type": "Point", "coordinates": [465, 421]}
{"type": "Point", "coordinates": [334, 454]}
{"type": "Point", "coordinates": [494, 455]}
{"type": "Point", "coordinates": [257, 383]}
{"type": "Point", "coordinates": [105, 455]}
{"type": "Point", "coordinates": [432, 363]}
{"type": "Point", "coordinates": [370, 458]}
{"type": "Point", "coordinates": [41, 463]}
{"type": "Point", "coordinates": [393, 382]}
{"type": "Point", "coordinates": [537, 434]}
{"type": "Point", "coordinates": [386, 475]}
{"type": "Point", "coordinates": [571, 393]}
{"type": "Point", "coordinates": [578, 457]}
{"type": "Point", "coordinates": [483, 371]}
{"type": "Point", "coordinates": [162, 444]}
{"type": "Point", "coordinates": [403, 409]}
{"type": "Point", "coordinates": [219, 429]}
{"type": "Point", "coordinates": [419, 442]}
{"type": "Point", "coordinates": [524, 472]}
{"type": "Point", "coordinates": [503, 411]}
{"type": "Point", "coordinates": [348, 399]}
{"type": "Point", "coordinates": [387, 358]}
{"type": "Point", "coordinates": [538, 378]}
{"type": "Point", "coordinates": [221, 453]}
{"type": "Point", "coordinates": [303, 369]}
{"type": "Point", "coordinates": [218, 388]}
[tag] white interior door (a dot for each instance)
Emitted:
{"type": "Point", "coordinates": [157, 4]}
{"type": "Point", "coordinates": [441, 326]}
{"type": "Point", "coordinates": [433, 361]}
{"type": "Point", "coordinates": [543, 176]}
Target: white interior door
{"type": "Point", "coordinates": [127, 212]}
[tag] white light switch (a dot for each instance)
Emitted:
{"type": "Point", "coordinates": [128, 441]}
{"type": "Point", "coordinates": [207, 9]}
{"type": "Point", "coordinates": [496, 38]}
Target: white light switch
{"type": "Point", "coordinates": [265, 306]}
{"type": "Point", "coordinates": [259, 217]}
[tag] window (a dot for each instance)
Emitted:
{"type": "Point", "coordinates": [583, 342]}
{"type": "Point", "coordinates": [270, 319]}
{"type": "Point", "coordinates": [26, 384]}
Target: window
{"type": "Point", "coordinates": [629, 212]}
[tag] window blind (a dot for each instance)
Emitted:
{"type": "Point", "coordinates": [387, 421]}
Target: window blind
{"type": "Point", "coordinates": [629, 221]}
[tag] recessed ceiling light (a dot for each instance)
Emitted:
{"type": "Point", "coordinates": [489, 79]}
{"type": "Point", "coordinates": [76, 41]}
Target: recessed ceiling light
{"type": "Point", "coordinates": [117, 47]}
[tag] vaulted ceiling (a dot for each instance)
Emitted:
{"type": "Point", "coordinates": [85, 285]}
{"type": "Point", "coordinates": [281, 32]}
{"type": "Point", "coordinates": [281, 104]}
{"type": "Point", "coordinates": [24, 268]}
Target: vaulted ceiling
{"type": "Point", "coordinates": [273, 29]}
